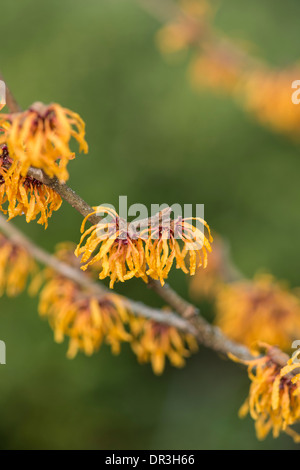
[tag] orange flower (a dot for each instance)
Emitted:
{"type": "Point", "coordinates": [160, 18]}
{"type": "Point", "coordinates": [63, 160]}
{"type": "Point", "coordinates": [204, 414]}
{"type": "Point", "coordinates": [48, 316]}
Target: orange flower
{"type": "Point", "coordinates": [120, 257]}
{"type": "Point", "coordinates": [40, 137]}
{"type": "Point", "coordinates": [124, 254]}
{"type": "Point", "coordinates": [16, 267]}
{"type": "Point", "coordinates": [154, 342]}
{"type": "Point", "coordinates": [268, 94]}
{"type": "Point", "coordinates": [215, 69]}
{"type": "Point", "coordinates": [259, 310]}
{"type": "Point", "coordinates": [273, 400]}
{"type": "Point", "coordinates": [86, 319]}
{"type": "Point", "coordinates": [25, 195]}
{"type": "Point", "coordinates": [163, 246]}
{"type": "Point", "coordinates": [187, 29]}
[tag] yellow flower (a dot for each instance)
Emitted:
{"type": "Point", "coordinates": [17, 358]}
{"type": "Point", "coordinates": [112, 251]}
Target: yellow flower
{"type": "Point", "coordinates": [273, 401]}
{"type": "Point", "coordinates": [16, 266]}
{"type": "Point", "coordinates": [25, 195]}
{"type": "Point", "coordinates": [120, 257]}
{"type": "Point", "coordinates": [84, 318]}
{"type": "Point", "coordinates": [40, 137]}
{"type": "Point", "coordinates": [187, 29]}
{"type": "Point", "coordinates": [154, 342]}
{"type": "Point", "coordinates": [124, 254]}
{"type": "Point", "coordinates": [268, 94]}
{"type": "Point", "coordinates": [215, 69]}
{"type": "Point", "coordinates": [261, 310]}
{"type": "Point", "coordinates": [162, 246]}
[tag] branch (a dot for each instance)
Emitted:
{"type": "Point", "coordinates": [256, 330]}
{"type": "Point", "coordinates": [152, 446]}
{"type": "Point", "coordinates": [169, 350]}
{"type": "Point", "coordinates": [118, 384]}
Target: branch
{"type": "Point", "coordinates": [170, 296]}
{"type": "Point", "coordinates": [77, 276]}
{"type": "Point", "coordinates": [166, 293]}
{"type": "Point", "coordinates": [65, 193]}
{"type": "Point", "coordinates": [189, 319]}
{"type": "Point", "coordinates": [204, 35]}
{"type": "Point", "coordinates": [205, 333]}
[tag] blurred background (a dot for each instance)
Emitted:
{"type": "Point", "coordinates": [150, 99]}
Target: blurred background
{"type": "Point", "coordinates": [155, 140]}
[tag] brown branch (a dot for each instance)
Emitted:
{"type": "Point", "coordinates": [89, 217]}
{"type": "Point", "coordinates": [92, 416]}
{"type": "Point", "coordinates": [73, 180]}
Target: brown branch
{"type": "Point", "coordinates": [206, 334]}
{"type": "Point", "coordinates": [211, 335]}
{"type": "Point", "coordinates": [65, 193]}
{"type": "Point", "coordinates": [181, 306]}
{"type": "Point", "coordinates": [204, 35]}
{"type": "Point", "coordinates": [170, 296]}
{"type": "Point", "coordinates": [188, 320]}
{"type": "Point", "coordinates": [77, 276]}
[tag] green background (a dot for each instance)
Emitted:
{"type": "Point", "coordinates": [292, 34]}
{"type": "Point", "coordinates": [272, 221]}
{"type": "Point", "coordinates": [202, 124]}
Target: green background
{"type": "Point", "coordinates": [155, 140]}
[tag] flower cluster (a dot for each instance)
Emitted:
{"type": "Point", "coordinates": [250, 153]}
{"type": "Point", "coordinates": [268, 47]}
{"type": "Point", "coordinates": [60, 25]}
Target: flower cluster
{"type": "Point", "coordinates": [124, 254]}
{"type": "Point", "coordinates": [264, 92]}
{"type": "Point", "coordinates": [16, 267]}
{"type": "Point", "coordinates": [217, 62]}
{"type": "Point", "coordinates": [90, 319]}
{"type": "Point", "coordinates": [40, 137]}
{"type": "Point", "coordinates": [267, 94]}
{"type": "Point", "coordinates": [154, 342]}
{"type": "Point", "coordinates": [261, 310]}
{"type": "Point", "coordinates": [215, 69]}
{"type": "Point", "coordinates": [86, 319]}
{"type": "Point", "coordinates": [24, 194]}
{"type": "Point", "coordinates": [211, 66]}
{"type": "Point", "coordinates": [274, 397]}
{"type": "Point", "coordinates": [187, 29]}
{"type": "Point", "coordinates": [120, 257]}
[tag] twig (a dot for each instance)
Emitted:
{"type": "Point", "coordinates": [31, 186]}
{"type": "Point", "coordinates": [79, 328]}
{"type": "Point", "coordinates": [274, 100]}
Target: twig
{"type": "Point", "coordinates": [66, 193]}
{"type": "Point", "coordinates": [181, 306]}
{"type": "Point", "coordinates": [206, 334]}
{"type": "Point", "coordinates": [170, 296]}
{"type": "Point", "coordinates": [77, 276]}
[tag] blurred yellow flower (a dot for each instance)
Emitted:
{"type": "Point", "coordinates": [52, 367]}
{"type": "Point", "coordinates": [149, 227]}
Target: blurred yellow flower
{"type": "Point", "coordinates": [268, 94]}
{"type": "Point", "coordinates": [215, 69]}
{"type": "Point", "coordinates": [259, 310]}
{"type": "Point", "coordinates": [87, 320]}
{"type": "Point", "coordinates": [154, 342]}
{"type": "Point", "coordinates": [16, 267]}
{"type": "Point", "coordinates": [187, 28]}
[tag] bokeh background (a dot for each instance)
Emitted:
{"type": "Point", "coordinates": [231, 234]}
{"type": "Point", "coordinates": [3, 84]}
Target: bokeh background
{"type": "Point", "coordinates": [153, 139]}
